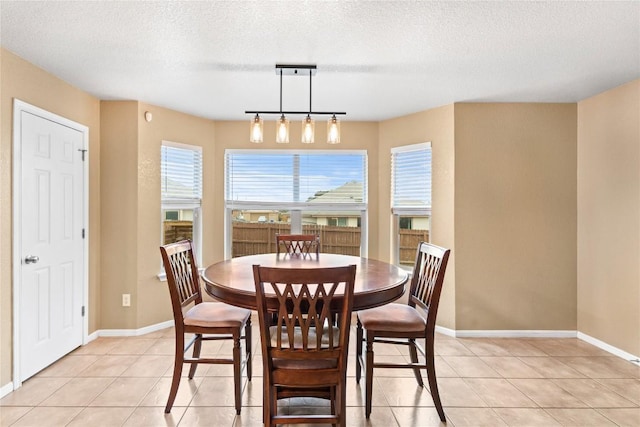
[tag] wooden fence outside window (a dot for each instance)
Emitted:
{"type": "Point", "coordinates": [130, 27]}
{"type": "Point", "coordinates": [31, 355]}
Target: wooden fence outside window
{"type": "Point", "coordinates": [251, 238]}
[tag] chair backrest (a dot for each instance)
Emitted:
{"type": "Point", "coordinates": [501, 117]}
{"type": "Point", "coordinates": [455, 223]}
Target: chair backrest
{"type": "Point", "coordinates": [298, 244]}
{"type": "Point", "coordinates": [182, 275]}
{"type": "Point", "coordinates": [313, 312]}
{"type": "Point", "coordinates": [427, 279]}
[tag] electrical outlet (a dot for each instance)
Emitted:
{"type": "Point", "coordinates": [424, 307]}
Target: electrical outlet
{"type": "Point", "coordinates": [126, 300]}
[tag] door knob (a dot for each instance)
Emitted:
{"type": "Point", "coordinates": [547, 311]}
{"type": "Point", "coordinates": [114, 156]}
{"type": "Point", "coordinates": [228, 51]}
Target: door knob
{"type": "Point", "coordinates": [31, 259]}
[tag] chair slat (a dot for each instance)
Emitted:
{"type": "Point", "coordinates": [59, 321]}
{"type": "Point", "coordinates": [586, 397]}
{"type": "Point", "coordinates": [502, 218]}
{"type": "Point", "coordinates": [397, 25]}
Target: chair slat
{"type": "Point", "coordinates": [298, 244]}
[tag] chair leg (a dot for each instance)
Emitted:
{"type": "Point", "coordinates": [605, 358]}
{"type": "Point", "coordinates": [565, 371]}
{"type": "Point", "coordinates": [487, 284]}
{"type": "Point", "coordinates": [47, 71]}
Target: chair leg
{"type": "Point", "coordinates": [237, 380]}
{"type": "Point", "coordinates": [413, 353]}
{"type": "Point", "coordinates": [273, 405]}
{"type": "Point", "coordinates": [343, 403]}
{"type": "Point", "coordinates": [265, 401]}
{"type": "Point", "coordinates": [431, 375]}
{"type": "Point", "coordinates": [197, 347]}
{"type": "Point", "coordinates": [247, 347]}
{"type": "Point", "coordinates": [177, 371]}
{"type": "Point", "coordinates": [369, 375]}
{"type": "Point", "coordinates": [335, 403]}
{"type": "Point", "coordinates": [358, 351]}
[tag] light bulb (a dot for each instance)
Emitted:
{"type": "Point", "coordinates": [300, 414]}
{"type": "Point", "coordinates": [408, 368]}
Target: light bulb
{"type": "Point", "coordinates": [308, 130]}
{"type": "Point", "coordinates": [333, 131]}
{"type": "Point", "coordinates": [256, 130]}
{"type": "Point", "coordinates": [282, 131]}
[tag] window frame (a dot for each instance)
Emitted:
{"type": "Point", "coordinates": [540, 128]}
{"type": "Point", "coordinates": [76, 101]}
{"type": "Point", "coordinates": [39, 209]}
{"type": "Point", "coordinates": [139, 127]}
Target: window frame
{"type": "Point", "coordinates": [398, 211]}
{"type": "Point", "coordinates": [195, 203]}
{"type": "Point", "coordinates": [296, 209]}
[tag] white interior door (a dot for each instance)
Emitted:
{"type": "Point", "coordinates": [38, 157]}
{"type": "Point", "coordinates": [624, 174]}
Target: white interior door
{"type": "Point", "coordinates": [51, 277]}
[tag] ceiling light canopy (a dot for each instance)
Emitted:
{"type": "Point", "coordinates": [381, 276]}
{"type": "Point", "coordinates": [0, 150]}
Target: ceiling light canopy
{"type": "Point", "coordinates": [256, 132]}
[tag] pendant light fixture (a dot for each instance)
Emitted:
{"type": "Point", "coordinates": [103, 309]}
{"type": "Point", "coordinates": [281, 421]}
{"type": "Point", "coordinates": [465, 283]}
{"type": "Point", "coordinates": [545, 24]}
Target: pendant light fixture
{"type": "Point", "coordinates": [333, 131]}
{"type": "Point", "coordinates": [308, 123]}
{"type": "Point", "coordinates": [256, 130]}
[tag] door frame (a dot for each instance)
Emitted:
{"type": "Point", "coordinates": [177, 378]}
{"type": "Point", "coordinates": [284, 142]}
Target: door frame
{"type": "Point", "coordinates": [18, 108]}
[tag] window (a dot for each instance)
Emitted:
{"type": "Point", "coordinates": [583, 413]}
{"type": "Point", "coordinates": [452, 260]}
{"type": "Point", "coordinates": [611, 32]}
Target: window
{"type": "Point", "coordinates": [295, 191]}
{"type": "Point", "coordinates": [405, 223]}
{"type": "Point", "coordinates": [410, 199]}
{"type": "Point", "coordinates": [341, 222]}
{"type": "Point", "coordinates": [181, 193]}
{"type": "Point", "coordinates": [171, 215]}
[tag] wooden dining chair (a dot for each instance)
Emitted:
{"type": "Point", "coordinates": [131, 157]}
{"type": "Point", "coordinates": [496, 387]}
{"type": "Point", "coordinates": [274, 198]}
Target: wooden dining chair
{"type": "Point", "coordinates": [223, 320]}
{"type": "Point", "coordinates": [405, 323]}
{"type": "Point", "coordinates": [304, 350]}
{"type": "Point", "coordinates": [298, 244]}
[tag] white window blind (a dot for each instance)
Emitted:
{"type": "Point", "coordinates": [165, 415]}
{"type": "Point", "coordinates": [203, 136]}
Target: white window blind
{"type": "Point", "coordinates": [411, 178]}
{"type": "Point", "coordinates": [181, 172]}
{"type": "Point", "coordinates": [295, 178]}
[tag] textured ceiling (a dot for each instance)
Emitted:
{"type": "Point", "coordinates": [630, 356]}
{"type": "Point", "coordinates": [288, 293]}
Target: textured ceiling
{"type": "Point", "coordinates": [376, 60]}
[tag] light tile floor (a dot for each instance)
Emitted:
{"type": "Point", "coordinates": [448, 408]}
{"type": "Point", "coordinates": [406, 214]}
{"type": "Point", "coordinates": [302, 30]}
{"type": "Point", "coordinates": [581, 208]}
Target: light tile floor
{"type": "Point", "coordinates": [483, 382]}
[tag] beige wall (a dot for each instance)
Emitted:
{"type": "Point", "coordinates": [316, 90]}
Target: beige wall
{"type": "Point", "coordinates": [22, 80]}
{"type": "Point", "coordinates": [515, 216]}
{"type": "Point", "coordinates": [153, 301]}
{"type": "Point", "coordinates": [609, 217]}
{"type": "Point", "coordinates": [435, 126]}
{"type": "Point", "coordinates": [119, 195]}
{"type": "Point", "coordinates": [131, 207]}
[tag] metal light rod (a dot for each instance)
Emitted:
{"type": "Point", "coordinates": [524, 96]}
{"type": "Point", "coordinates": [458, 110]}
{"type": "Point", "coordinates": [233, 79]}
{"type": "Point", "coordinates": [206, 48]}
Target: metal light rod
{"type": "Point", "coordinates": [318, 113]}
{"type": "Point", "coordinates": [295, 69]}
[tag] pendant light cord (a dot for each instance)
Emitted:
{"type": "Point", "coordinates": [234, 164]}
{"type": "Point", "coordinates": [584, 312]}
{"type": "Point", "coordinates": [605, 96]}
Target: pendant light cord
{"type": "Point", "coordinates": [281, 91]}
{"type": "Point", "coordinates": [310, 78]}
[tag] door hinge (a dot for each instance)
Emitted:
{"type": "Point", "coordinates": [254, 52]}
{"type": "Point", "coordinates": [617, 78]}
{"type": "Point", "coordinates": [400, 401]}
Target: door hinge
{"type": "Point", "coordinates": [83, 233]}
{"type": "Point", "coordinates": [83, 311]}
{"type": "Point", "coordinates": [82, 151]}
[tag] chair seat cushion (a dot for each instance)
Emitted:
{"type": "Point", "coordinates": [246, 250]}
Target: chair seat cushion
{"type": "Point", "coordinates": [307, 365]}
{"type": "Point", "coordinates": [392, 318]}
{"type": "Point", "coordinates": [216, 315]}
{"type": "Point", "coordinates": [297, 337]}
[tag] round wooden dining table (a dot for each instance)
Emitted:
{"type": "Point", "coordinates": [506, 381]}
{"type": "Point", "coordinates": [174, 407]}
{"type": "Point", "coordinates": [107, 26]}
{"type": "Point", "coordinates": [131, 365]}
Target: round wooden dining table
{"type": "Point", "coordinates": [231, 281]}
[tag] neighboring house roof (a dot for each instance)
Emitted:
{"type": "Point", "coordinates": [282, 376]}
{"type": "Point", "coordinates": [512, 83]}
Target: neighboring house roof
{"type": "Point", "coordinates": [333, 214]}
{"type": "Point", "coordinates": [350, 192]}
{"type": "Point", "coordinates": [268, 211]}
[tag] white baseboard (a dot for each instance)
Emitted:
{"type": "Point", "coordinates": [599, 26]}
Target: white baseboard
{"type": "Point", "coordinates": [440, 329]}
{"type": "Point", "coordinates": [611, 349]}
{"type": "Point", "coordinates": [129, 332]}
{"type": "Point", "coordinates": [446, 331]}
{"type": "Point", "coordinates": [92, 337]}
{"type": "Point", "coordinates": [6, 389]}
{"type": "Point", "coordinates": [515, 334]}
{"type": "Point", "coordinates": [538, 334]}
{"type": "Point", "coordinates": [504, 333]}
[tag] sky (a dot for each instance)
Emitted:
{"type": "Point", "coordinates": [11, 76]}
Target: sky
{"type": "Point", "coordinates": [270, 176]}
